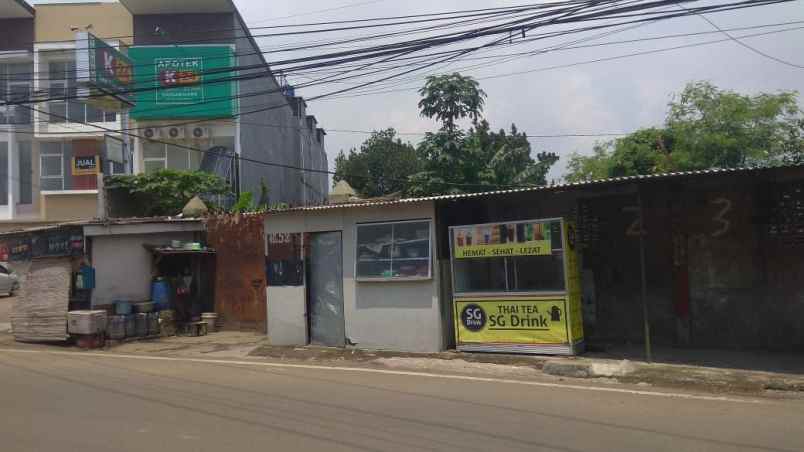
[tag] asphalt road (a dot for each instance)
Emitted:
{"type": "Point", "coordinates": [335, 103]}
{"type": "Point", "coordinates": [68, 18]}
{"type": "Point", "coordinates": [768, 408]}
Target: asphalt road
{"type": "Point", "coordinates": [87, 403]}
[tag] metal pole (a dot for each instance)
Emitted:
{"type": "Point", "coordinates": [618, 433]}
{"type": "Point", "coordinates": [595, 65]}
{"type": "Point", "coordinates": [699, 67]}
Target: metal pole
{"type": "Point", "coordinates": [645, 311]}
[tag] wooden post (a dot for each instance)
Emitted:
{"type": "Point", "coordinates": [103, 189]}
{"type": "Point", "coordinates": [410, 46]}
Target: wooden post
{"type": "Point", "coordinates": [645, 310]}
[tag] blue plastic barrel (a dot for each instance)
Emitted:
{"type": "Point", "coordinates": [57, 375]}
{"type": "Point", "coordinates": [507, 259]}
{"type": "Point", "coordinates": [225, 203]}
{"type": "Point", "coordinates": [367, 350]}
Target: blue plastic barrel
{"type": "Point", "coordinates": [88, 276]}
{"type": "Point", "coordinates": [160, 294]}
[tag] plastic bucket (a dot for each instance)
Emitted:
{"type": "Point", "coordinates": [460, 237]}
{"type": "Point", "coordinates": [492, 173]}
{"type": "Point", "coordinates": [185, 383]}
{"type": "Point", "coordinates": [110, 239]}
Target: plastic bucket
{"type": "Point", "coordinates": [210, 318]}
{"type": "Point", "coordinates": [131, 325]}
{"type": "Point", "coordinates": [160, 294]}
{"type": "Point", "coordinates": [122, 308]}
{"type": "Point", "coordinates": [117, 327]}
{"type": "Point", "coordinates": [141, 324]}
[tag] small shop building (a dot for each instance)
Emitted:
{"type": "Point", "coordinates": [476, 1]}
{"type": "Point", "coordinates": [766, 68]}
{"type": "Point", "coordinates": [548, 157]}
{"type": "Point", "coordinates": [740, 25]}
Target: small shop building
{"type": "Point", "coordinates": [702, 259]}
{"type": "Point", "coordinates": [162, 263]}
{"type": "Point", "coordinates": [355, 275]}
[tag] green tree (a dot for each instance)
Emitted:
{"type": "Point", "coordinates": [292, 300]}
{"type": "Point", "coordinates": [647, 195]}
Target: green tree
{"type": "Point", "coordinates": [448, 98]}
{"type": "Point", "coordinates": [477, 159]}
{"type": "Point", "coordinates": [380, 167]}
{"type": "Point", "coordinates": [706, 127]}
{"type": "Point", "coordinates": [166, 192]}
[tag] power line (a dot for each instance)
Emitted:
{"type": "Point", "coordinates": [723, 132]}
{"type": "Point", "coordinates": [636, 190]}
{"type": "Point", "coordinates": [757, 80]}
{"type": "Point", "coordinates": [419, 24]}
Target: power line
{"type": "Point", "coordinates": [506, 75]}
{"type": "Point", "coordinates": [337, 8]}
{"type": "Point", "coordinates": [362, 55]}
{"type": "Point", "coordinates": [752, 49]}
{"type": "Point", "coordinates": [579, 63]}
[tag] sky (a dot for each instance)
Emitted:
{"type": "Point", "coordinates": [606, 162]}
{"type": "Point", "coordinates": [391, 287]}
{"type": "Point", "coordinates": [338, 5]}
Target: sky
{"type": "Point", "coordinates": [620, 95]}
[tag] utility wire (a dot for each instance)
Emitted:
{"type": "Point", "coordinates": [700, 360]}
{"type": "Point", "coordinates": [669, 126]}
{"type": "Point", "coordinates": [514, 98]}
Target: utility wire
{"type": "Point", "coordinates": [245, 113]}
{"type": "Point", "coordinates": [741, 43]}
{"type": "Point", "coordinates": [579, 63]}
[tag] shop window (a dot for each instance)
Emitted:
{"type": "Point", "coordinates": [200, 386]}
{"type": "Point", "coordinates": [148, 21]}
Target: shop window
{"type": "Point", "coordinates": [159, 156]}
{"type": "Point", "coordinates": [154, 157]}
{"type": "Point", "coordinates": [62, 84]}
{"type": "Point", "coordinates": [15, 86]}
{"type": "Point", "coordinates": [400, 250]}
{"type": "Point", "coordinates": [517, 257]}
{"type": "Point", "coordinates": [51, 166]}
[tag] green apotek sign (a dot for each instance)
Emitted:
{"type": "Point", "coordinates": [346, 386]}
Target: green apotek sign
{"type": "Point", "coordinates": [184, 82]}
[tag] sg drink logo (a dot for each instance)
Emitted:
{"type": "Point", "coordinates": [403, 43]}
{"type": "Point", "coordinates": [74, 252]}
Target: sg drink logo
{"type": "Point", "coordinates": [473, 317]}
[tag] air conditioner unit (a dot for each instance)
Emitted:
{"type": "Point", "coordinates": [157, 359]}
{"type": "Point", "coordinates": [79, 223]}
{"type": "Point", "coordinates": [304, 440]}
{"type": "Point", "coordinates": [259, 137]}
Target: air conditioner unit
{"type": "Point", "coordinates": [173, 133]}
{"type": "Point", "coordinates": [201, 133]}
{"type": "Point", "coordinates": [151, 133]}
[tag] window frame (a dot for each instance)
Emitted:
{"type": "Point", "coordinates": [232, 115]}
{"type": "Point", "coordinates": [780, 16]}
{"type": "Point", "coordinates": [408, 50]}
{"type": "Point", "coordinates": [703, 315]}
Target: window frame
{"type": "Point", "coordinates": [508, 274]}
{"type": "Point", "coordinates": [60, 155]}
{"type": "Point", "coordinates": [146, 160]}
{"type": "Point", "coordinates": [429, 258]}
{"type": "Point", "coordinates": [8, 82]}
{"type": "Point", "coordinates": [69, 87]}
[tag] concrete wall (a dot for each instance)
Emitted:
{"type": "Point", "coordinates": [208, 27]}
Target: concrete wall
{"type": "Point", "coordinates": [269, 131]}
{"type": "Point", "coordinates": [402, 315]}
{"type": "Point", "coordinates": [63, 207]}
{"type": "Point", "coordinates": [182, 28]}
{"type": "Point", "coordinates": [53, 21]}
{"type": "Point", "coordinates": [287, 316]}
{"type": "Point", "coordinates": [123, 267]}
{"type": "Point", "coordinates": [17, 34]}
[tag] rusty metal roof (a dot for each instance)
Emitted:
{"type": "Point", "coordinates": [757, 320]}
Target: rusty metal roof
{"type": "Point", "coordinates": [546, 188]}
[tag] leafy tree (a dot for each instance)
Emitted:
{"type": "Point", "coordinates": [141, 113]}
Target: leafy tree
{"type": "Point", "coordinates": [380, 167]}
{"type": "Point", "coordinates": [706, 127]}
{"type": "Point", "coordinates": [166, 192]}
{"type": "Point", "coordinates": [449, 98]}
{"type": "Point", "coordinates": [474, 160]}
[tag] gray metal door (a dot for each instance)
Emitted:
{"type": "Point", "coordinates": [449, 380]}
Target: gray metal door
{"type": "Point", "coordinates": [326, 290]}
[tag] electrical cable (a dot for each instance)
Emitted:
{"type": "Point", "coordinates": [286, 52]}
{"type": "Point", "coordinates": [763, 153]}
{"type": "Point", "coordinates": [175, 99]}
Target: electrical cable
{"type": "Point", "coordinates": [751, 48]}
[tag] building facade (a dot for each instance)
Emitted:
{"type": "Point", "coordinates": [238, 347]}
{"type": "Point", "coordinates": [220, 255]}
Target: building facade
{"type": "Point", "coordinates": [39, 140]}
{"type": "Point", "coordinates": [245, 111]}
{"type": "Point", "coordinates": [243, 115]}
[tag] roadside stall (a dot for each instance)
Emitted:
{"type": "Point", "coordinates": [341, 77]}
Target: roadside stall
{"type": "Point", "coordinates": [516, 287]}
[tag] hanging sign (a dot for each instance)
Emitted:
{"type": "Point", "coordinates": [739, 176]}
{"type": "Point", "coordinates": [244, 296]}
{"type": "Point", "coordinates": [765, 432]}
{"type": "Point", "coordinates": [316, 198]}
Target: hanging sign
{"type": "Point", "coordinates": [86, 166]}
{"type": "Point", "coordinates": [533, 321]}
{"type": "Point", "coordinates": [502, 240]}
{"type": "Point", "coordinates": [104, 74]}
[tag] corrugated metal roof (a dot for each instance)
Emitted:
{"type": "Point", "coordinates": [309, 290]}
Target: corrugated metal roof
{"type": "Point", "coordinates": [548, 188]}
{"type": "Point", "coordinates": [97, 222]}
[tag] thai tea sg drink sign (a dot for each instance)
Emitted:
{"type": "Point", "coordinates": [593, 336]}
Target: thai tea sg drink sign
{"type": "Point", "coordinates": [502, 240]}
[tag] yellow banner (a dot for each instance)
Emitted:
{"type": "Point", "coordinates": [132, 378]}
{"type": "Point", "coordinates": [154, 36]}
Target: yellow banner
{"type": "Point", "coordinates": [502, 240]}
{"type": "Point", "coordinates": [573, 282]}
{"type": "Point", "coordinates": [540, 248]}
{"type": "Point", "coordinates": [520, 321]}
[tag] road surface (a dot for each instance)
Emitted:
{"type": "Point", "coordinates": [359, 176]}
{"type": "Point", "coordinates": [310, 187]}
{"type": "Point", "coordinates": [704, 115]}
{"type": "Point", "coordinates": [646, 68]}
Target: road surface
{"type": "Point", "coordinates": [84, 402]}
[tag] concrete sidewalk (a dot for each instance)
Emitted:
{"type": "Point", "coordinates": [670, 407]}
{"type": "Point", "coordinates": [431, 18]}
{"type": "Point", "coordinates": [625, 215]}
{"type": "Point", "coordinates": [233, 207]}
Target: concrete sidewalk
{"type": "Point", "coordinates": [251, 346]}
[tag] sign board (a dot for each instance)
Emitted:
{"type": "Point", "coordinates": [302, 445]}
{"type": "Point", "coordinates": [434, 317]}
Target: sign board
{"type": "Point", "coordinates": [512, 321]}
{"type": "Point", "coordinates": [115, 149]}
{"type": "Point", "coordinates": [184, 82]}
{"type": "Point", "coordinates": [105, 75]}
{"type": "Point", "coordinates": [285, 266]}
{"type": "Point", "coordinates": [502, 240]}
{"type": "Point", "coordinates": [86, 166]}
{"type": "Point", "coordinates": [524, 314]}
{"type": "Point", "coordinates": [53, 243]}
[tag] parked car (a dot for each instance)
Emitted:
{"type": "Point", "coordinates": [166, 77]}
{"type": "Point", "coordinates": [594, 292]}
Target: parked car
{"type": "Point", "coordinates": [9, 281]}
